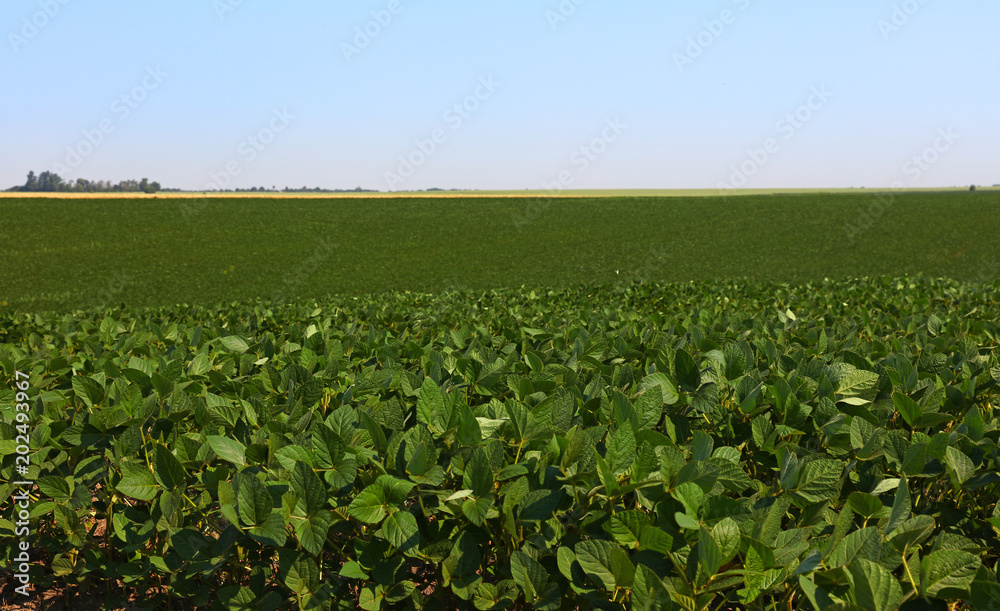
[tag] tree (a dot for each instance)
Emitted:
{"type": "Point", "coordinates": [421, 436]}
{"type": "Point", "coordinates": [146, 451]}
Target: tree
{"type": "Point", "coordinates": [47, 181]}
{"type": "Point", "coordinates": [32, 182]}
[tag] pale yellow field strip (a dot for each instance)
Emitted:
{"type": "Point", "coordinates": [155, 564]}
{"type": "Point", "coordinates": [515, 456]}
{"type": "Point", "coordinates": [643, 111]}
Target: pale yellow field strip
{"type": "Point", "coordinates": [473, 194]}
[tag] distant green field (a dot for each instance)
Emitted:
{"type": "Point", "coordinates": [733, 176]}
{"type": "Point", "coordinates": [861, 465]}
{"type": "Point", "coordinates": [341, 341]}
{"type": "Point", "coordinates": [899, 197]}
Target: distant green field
{"type": "Point", "coordinates": [68, 253]}
{"type": "Point", "coordinates": [692, 192]}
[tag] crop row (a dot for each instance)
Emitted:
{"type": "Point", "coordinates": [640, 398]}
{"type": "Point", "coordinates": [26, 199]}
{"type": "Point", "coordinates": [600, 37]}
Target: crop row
{"type": "Point", "coordinates": [695, 446]}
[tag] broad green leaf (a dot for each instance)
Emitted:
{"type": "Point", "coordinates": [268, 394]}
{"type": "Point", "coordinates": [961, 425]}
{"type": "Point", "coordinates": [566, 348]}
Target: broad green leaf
{"type": "Point", "coordinates": [865, 505]}
{"type": "Point", "coordinates": [856, 381]}
{"type": "Point", "coordinates": [396, 490]}
{"type": "Point", "coordinates": [430, 406]}
{"type": "Point", "coordinates": [727, 534]}
{"type": "Point", "coordinates": [478, 475]}
{"type": "Point", "coordinates": [860, 544]}
{"type": "Point", "coordinates": [817, 596]}
{"type": "Point", "coordinates": [889, 483]}
{"type": "Point", "coordinates": [167, 469]}
{"type": "Point", "coordinates": [789, 474]}
{"type": "Point", "coordinates": [271, 532]}
{"type": "Point", "coordinates": [565, 558]}
{"type": "Point", "coordinates": [621, 567]}
{"type": "Point", "coordinates": [463, 559]}
{"type": "Point", "coordinates": [328, 447]}
{"type": "Point", "coordinates": [538, 505]}
{"type": "Point", "coordinates": [87, 390]}
{"type": "Point", "coordinates": [528, 574]}
{"type": "Point", "coordinates": [874, 587]}
{"type": "Point", "coordinates": [701, 447]}
{"type": "Point", "coordinates": [974, 422]}
{"type": "Point", "coordinates": [901, 507]}
{"type": "Point", "coordinates": [690, 495]}
{"type": "Point", "coordinates": [709, 553]}
{"type": "Point", "coordinates": [228, 449]}
{"type": "Point", "coordinates": [401, 531]}
{"type": "Point", "coordinates": [311, 532]}
{"type": "Point", "coordinates": [369, 505]}
{"type": "Point", "coordinates": [477, 509]}
{"type": "Point", "coordinates": [109, 330]}
{"type": "Point", "coordinates": [861, 432]}
{"type": "Point", "coordinates": [659, 382]}
{"type": "Point", "coordinates": [621, 450]}
{"type": "Point", "coordinates": [234, 343]}
{"type": "Point", "coordinates": [907, 408]}
{"type": "Point", "coordinates": [915, 459]}
{"type": "Point", "coordinates": [626, 527]}
{"type": "Point", "coordinates": [648, 592]}
{"type": "Point", "coordinates": [912, 531]}
{"type": "Point", "coordinates": [253, 500]}
{"type": "Point", "coordinates": [819, 480]}
{"type": "Point", "coordinates": [289, 455]}
{"type": "Point", "coordinates": [312, 493]}
{"type": "Point", "coordinates": [685, 521]}
{"type": "Point", "coordinates": [688, 374]}
{"type": "Point", "coordinates": [948, 573]}
{"type": "Point", "coordinates": [624, 414]}
{"type": "Point", "coordinates": [594, 557]}
{"type": "Point", "coordinates": [298, 571]}
{"type": "Point", "coordinates": [469, 432]}
{"type": "Point", "coordinates": [139, 485]}
{"type": "Point", "coordinates": [960, 466]}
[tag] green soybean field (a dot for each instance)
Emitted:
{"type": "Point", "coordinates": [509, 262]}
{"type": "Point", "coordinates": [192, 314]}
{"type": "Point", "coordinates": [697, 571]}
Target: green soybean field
{"type": "Point", "coordinates": [700, 445]}
{"type": "Point", "coordinates": [64, 253]}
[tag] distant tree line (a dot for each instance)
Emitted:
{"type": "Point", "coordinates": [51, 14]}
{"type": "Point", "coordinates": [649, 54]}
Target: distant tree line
{"type": "Point", "coordinates": [49, 182]}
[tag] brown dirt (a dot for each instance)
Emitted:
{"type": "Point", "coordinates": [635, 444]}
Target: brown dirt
{"type": "Point", "coordinates": [54, 600]}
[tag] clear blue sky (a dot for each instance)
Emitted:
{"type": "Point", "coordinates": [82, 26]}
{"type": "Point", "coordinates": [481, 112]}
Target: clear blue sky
{"type": "Point", "coordinates": [622, 78]}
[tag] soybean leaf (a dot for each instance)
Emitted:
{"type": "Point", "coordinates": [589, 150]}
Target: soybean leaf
{"type": "Point", "coordinates": [688, 374]}
{"type": "Point", "coordinates": [594, 557]}
{"type": "Point", "coordinates": [430, 406]}
{"type": "Point", "coordinates": [401, 531]}
{"type": "Point", "coordinates": [907, 408]}
{"type": "Point", "coordinates": [139, 485]}
{"type": "Point", "coordinates": [369, 505]}
{"type": "Point", "coordinates": [819, 480]}
{"type": "Point", "coordinates": [228, 449]}
{"type": "Point", "coordinates": [948, 573]}
{"type": "Point", "coordinates": [901, 507]}
{"type": "Point", "coordinates": [874, 587]}
{"type": "Point", "coordinates": [528, 574]}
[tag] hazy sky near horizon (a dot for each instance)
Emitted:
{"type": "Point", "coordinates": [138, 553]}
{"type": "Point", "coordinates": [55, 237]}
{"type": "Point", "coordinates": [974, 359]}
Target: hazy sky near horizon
{"type": "Point", "coordinates": [580, 94]}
